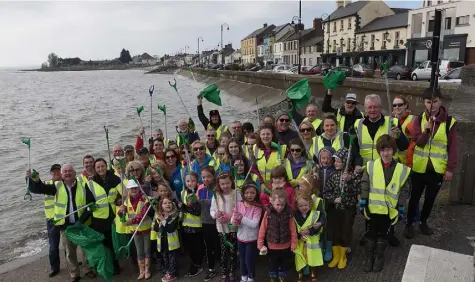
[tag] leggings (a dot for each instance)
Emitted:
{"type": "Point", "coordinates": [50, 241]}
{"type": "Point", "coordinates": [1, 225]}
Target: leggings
{"type": "Point", "coordinates": [340, 226]}
{"type": "Point", "coordinates": [247, 258]}
{"type": "Point", "coordinates": [210, 236]}
{"type": "Point", "coordinates": [228, 255]}
{"type": "Point", "coordinates": [279, 262]}
{"type": "Point", "coordinates": [169, 262]}
{"type": "Point", "coordinates": [143, 245]}
{"type": "Point", "coordinates": [194, 246]}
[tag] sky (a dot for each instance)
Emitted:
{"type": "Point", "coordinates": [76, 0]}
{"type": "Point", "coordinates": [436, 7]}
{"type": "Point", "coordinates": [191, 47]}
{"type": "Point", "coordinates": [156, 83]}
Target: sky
{"type": "Point", "coordinates": [29, 31]}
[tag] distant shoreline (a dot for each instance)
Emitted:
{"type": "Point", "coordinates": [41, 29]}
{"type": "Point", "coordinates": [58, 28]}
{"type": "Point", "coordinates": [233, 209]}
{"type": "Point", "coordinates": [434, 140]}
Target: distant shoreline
{"type": "Point", "coordinates": [93, 68]}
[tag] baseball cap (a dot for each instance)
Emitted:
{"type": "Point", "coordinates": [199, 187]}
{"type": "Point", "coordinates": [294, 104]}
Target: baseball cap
{"type": "Point", "coordinates": [351, 97]}
{"type": "Point", "coordinates": [143, 151]}
{"type": "Point", "coordinates": [128, 148]}
{"type": "Point", "coordinates": [55, 167]}
{"type": "Point", "coordinates": [132, 184]}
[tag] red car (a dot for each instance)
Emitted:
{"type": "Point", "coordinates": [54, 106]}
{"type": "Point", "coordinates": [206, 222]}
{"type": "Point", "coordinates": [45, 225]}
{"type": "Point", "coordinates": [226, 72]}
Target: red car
{"type": "Point", "coordinates": [317, 69]}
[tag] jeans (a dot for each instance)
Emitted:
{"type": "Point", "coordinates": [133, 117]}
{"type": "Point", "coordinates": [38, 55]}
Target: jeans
{"type": "Point", "coordinates": [143, 246]}
{"type": "Point", "coordinates": [247, 258]}
{"type": "Point", "coordinates": [54, 235]}
{"type": "Point", "coordinates": [280, 261]}
{"type": "Point", "coordinates": [429, 181]}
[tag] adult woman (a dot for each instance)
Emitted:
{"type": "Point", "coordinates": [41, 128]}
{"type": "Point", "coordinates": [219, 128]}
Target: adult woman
{"type": "Point", "coordinates": [211, 142]}
{"type": "Point", "coordinates": [136, 169]}
{"type": "Point", "coordinates": [174, 166]}
{"type": "Point", "coordinates": [268, 157]}
{"type": "Point", "coordinates": [201, 159]}
{"type": "Point", "coordinates": [308, 133]}
{"type": "Point", "coordinates": [159, 173]}
{"type": "Point", "coordinates": [269, 119]}
{"type": "Point", "coordinates": [336, 139]}
{"type": "Point", "coordinates": [297, 164]}
{"type": "Point", "coordinates": [234, 149]}
{"type": "Point", "coordinates": [110, 182]}
{"type": "Point", "coordinates": [158, 147]}
{"type": "Point", "coordinates": [403, 114]}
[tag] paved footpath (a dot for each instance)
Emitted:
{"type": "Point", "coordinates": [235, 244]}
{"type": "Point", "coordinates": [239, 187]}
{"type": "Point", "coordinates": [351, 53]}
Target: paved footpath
{"type": "Point", "coordinates": [458, 219]}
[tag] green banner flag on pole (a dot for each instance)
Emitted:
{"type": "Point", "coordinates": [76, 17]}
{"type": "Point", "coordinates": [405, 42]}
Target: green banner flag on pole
{"type": "Point", "coordinates": [211, 93]}
{"type": "Point", "coordinates": [299, 93]}
{"type": "Point", "coordinates": [383, 68]}
{"type": "Point", "coordinates": [162, 108]}
{"type": "Point", "coordinates": [26, 141]}
{"type": "Point", "coordinates": [139, 110]}
{"type": "Point", "coordinates": [334, 79]}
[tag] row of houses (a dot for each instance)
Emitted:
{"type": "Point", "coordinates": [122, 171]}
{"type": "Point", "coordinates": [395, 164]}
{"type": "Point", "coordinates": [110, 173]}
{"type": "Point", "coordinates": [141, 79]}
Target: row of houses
{"type": "Point", "coordinates": [367, 32]}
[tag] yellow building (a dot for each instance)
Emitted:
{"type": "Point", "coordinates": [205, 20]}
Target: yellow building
{"type": "Point", "coordinates": [249, 43]}
{"type": "Point", "coordinates": [342, 25]}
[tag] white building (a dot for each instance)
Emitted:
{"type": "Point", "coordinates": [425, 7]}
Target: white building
{"type": "Point", "coordinates": [278, 47]}
{"type": "Point", "coordinates": [458, 34]}
{"type": "Point", "coordinates": [233, 58]}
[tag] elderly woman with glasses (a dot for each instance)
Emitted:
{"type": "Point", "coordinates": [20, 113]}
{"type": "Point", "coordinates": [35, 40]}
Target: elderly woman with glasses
{"type": "Point", "coordinates": [201, 160]}
{"type": "Point", "coordinates": [403, 114]}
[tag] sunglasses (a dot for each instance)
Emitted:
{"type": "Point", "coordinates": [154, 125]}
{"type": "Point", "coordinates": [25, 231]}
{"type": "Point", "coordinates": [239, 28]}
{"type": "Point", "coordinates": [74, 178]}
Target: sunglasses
{"type": "Point", "coordinates": [210, 136]}
{"type": "Point", "coordinates": [170, 157]}
{"type": "Point", "coordinates": [135, 170]}
{"type": "Point", "coordinates": [398, 105]}
{"type": "Point", "coordinates": [296, 150]}
{"type": "Point", "coordinates": [305, 129]}
{"type": "Point", "coordinates": [198, 149]}
{"type": "Point", "coordinates": [284, 120]}
{"type": "Point", "coordinates": [351, 103]}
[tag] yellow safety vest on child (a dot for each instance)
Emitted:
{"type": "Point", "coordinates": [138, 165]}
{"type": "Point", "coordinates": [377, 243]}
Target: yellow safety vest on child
{"type": "Point", "coordinates": [308, 251]}
{"type": "Point", "coordinates": [189, 219]}
{"type": "Point", "coordinates": [131, 213]}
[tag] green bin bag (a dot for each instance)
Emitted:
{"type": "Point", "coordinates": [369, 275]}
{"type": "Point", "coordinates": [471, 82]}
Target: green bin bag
{"type": "Point", "coordinates": [99, 257]}
{"type": "Point", "coordinates": [119, 240]}
{"type": "Point", "coordinates": [334, 79]}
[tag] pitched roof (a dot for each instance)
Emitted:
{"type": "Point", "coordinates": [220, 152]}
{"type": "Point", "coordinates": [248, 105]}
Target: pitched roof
{"type": "Point", "coordinates": [146, 56]}
{"type": "Point", "coordinates": [279, 28]}
{"type": "Point", "coordinates": [349, 10]}
{"type": "Point", "coordinates": [287, 35]}
{"type": "Point", "coordinates": [260, 31]}
{"type": "Point", "coordinates": [388, 22]}
{"type": "Point", "coordinates": [303, 34]}
{"type": "Point", "coordinates": [312, 41]}
{"type": "Point", "coordinates": [400, 10]}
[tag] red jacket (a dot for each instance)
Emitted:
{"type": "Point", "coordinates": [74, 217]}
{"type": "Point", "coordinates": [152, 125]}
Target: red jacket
{"type": "Point", "coordinates": [289, 191]}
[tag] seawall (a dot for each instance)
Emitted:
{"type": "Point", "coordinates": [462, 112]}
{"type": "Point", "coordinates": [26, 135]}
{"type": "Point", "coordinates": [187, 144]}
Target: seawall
{"type": "Point", "coordinates": [270, 88]}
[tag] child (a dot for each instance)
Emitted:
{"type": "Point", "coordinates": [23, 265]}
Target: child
{"type": "Point", "coordinates": [247, 216]}
{"type": "Point", "coordinates": [243, 168]}
{"type": "Point", "coordinates": [325, 166]}
{"type": "Point", "coordinates": [163, 191]}
{"type": "Point", "coordinates": [168, 241]}
{"type": "Point", "coordinates": [224, 139]}
{"type": "Point", "coordinates": [279, 179]}
{"type": "Point", "coordinates": [309, 222]}
{"type": "Point", "coordinates": [136, 207]}
{"type": "Point", "coordinates": [248, 147]}
{"type": "Point", "coordinates": [222, 205]}
{"type": "Point", "coordinates": [280, 239]}
{"type": "Point", "coordinates": [192, 226]}
{"type": "Point", "coordinates": [223, 160]}
{"type": "Point", "coordinates": [210, 233]}
{"type": "Point", "coordinates": [341, 210]}
{"type": "Point", "coordinates": [384, 190]}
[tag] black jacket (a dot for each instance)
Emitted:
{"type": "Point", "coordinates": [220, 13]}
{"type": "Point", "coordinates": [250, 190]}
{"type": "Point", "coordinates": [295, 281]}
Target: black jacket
{"type": "Point", "coordinates": [349, 118]}
{"type": "Point", "coordinates": [205, 121]}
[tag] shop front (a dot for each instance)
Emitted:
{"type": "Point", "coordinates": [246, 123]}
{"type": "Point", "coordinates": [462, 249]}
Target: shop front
{"type": "Point", "coordinates": [420, 49]}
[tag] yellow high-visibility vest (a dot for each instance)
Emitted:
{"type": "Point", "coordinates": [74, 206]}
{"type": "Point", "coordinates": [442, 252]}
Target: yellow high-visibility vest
{"type": "Point", "coordinates": [61, 204]}
{"type": "Point", "coordinates": [368, 145]}
{"type": "Point", "coordinates": [308, 251]}
{"type": "Point", "coordinates": [189, 219]}
{"type": "Point", "coordinates": [307, 169]}
{"type": "Point", "coordinates": [265, 167]}
{"type": "Point", "coordinates": [318, 144]}
{"type": "Point", "coordinates": [49, 203]}
{"type": "Point", "coordinates": [316, 123]}
{"type": "Point", "coordinates": [402, 154]}
{"type": "Point", "coordinates": [131, 213]}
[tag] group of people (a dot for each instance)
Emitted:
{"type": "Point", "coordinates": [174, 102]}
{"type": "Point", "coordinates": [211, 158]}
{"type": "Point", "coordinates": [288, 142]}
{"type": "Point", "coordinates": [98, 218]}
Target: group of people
{"type": "Point", "coordinates": [291, 195]}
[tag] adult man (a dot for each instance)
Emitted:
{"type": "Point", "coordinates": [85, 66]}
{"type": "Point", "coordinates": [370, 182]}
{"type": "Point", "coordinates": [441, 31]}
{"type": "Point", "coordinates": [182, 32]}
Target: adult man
{"type": "Point", "coordinates": [238, 132]}
{"type": "Point", "coordinates": [214, 120]}
{"type": "Point", "coordinates": [71, 194]}
{"type": "Point", "coordinates": [53, 233]}
{"type": "Point", "coordinates": [435, 158]}
{"type": "Point", "coordinates": [284, 133]}
{"type": "Point", "coordinates": [158, 134]}
{"type": "Point", "coordinates": [311, 115]}
{"type": "Point", "coordinates": [347, 114]}
{"type": "Point", "coordinates": [184, 135]}
{"type": "Point", "coordinates": [129, 153]}
{"type": "Point", "coordinates": [144, 157]}
{"type": "Point", "coordinates": [118, 151]}
{"type": "Point", "coordinates": [88, 164]}
{"type": "Point", "coordinates": [211, 143]}
{"type": "Point", "coordinates": [369, 129]}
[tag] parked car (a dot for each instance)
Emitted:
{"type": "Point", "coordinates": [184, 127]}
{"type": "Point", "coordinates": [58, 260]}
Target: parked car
{"type": "Point", "coordinates": [344, 68]}
{"type": "Point", "coordinates": [423, 71]}
{"type": "Point", "coordinates": [399, 72]}
{"type": "Point", "coordinates": [292, 70]}
{"type": "Point", "coordinates": [281, 68]}
{"type": "Point", "coordinates": [254, 68]}
{"type": "Point", "coordinates": [267, 68]}
{"type": "Point", "coordinates": [452, 76]}
{"type": "Point", "coordinates": [317, 69]}
{"type": "Point", "coordinates": [362, 70]}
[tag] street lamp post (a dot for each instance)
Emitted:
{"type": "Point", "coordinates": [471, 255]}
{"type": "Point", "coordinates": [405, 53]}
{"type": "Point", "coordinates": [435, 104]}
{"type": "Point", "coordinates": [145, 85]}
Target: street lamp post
{"type": "Point", "coordinates": [199, 54]}
{"type": "Point", "coordinates": [327, 17]}
{"type": "Point", "coordinates": [222, 53]}
{"type": "Point", "coordinates": [298, 30]}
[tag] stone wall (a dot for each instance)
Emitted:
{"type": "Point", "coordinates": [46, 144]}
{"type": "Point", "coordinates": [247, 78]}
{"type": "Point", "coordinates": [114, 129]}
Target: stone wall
{"type": "Point", "coordinates": [458, 98]}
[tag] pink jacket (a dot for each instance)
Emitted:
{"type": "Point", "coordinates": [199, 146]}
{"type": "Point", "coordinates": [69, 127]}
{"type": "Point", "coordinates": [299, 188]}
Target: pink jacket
{"type": "Point", "coordinates": [249, 225]}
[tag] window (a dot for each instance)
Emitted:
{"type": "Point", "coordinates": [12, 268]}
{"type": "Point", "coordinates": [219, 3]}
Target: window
{"type": "Point", "coordinates": [397, 35]}
{"type": "Point", "coordinates": [349, 44]}
{"type": "Point", "coordinates": [342, 42]}
{"type": "Point", "coordinates": [295, 45]}
{"type": "Point", "coordinates": [304, 50]}
{"type": "Point", "coordinates": [440, 1]}
{"type": "Point", "coordinates": [385, 36]}
{"type": "Point", "coordinates": [431, 26]}
{"type": "Point", "coordinates": [334, 46]}
{"type": "Point", "coordinates": [349, 23]}
{"type": "Point", "coordinates": [372, 40]}
{"type": "Point", "coordinates": [310, 62]}
{"type": "Point", "coordinates": [341, 25]}
{"type": "Point", "coordinates": [448, 23]}
{"type": "Point", "coordinates": [462, 20]}
{"type": "Point", "coordinates": [334, 26]}
{"type": "Point", "coordinates": [429, 3]}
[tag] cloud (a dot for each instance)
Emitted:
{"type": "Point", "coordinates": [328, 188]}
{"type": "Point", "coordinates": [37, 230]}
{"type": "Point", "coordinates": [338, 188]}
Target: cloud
{"type": "Point", "coordinates": [29, 31]}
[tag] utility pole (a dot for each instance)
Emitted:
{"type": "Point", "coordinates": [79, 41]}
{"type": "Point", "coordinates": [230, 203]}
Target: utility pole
{"type": "Point", "coordinates": [434, 58]}
{"type": "Point", "coordinates": [199, 54]}
{"type": "Point", "coordinates": [300, 26]}
{"type": "Point", "coordinates": [222, 46]}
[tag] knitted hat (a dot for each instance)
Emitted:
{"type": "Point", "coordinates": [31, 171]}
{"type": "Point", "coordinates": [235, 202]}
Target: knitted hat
{"type": "Point", "coordinates": [280, 113]}
{"type": "Point", "coordinates": [342, 154]}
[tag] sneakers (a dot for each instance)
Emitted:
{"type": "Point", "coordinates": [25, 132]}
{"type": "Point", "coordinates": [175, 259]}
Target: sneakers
{"type": "Point", "coordinates": [244, 279]}
{"type": "Point", "coordinates": [425, 229]}
{"type": "Point", "coordinates": [53, 273]}
{"type": "Point", "coordinates": [210, 275]}
{"type": "Point", "coordinates": [224, 278]}
{"type": "Point", "coordinates": [194, 270]}
{"type": "Point", "coordinates": [409, 231]}
{"type": "Point", "coordinates": [168, 277]}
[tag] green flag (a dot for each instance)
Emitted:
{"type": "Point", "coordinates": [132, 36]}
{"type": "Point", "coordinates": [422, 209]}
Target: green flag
{"type": "Point", "coordinates": [162, 108]}
{"type": "Point", "coordinates": [139, 110]}
{"type": "Point", "coordinates": [211, 93]}
{"type": "Point", "coordinates": [299, 93]}
{"type": "Point", "coordinates": [26, 141]}
{"type": "Point", "coordinates": [334, 79]}
{"type": "Point", "coordinates": [383, 68]}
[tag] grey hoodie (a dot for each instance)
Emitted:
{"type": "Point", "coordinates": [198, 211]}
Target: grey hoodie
{"type": "Point", "coordinates": [325, 171]}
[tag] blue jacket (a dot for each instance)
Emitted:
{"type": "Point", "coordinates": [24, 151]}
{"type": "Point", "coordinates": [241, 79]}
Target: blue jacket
{"type": "Point", "coordinates": [177, 182]}
{"type": "Point", "coordinates": [197, 167]}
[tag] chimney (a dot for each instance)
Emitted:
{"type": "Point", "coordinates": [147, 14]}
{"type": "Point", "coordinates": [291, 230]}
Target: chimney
{"type": "Point", "coordinates": [317, 24]}
{"type": "Point", "coordinates": [340, 4]}
{"type": "Point", "coordinates": [265, 25]}
{"type": "Point", "coordinates": [346, 2]}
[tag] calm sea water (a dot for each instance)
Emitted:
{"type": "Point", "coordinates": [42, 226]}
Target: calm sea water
{"type": "Point", "coordinates": [64, 114]}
